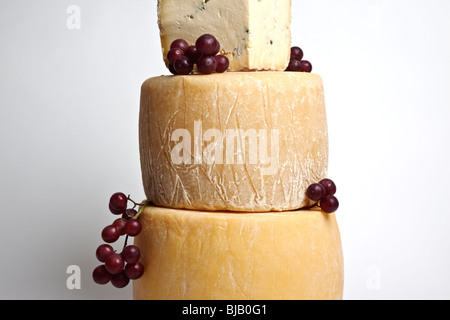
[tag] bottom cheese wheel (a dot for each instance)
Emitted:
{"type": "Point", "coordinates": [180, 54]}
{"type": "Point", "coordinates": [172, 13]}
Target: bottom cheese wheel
{"type": "Point", "coordinates": [192, 255]}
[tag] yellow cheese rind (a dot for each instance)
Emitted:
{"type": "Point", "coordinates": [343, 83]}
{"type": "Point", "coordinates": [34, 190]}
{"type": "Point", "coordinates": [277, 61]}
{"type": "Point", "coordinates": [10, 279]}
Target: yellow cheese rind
{"type": "Point", "coordinates": [254, 34]}
{"type": "Point", "coordinates": [291, 104]}
{"type": "Point", "coordinates": [192, 255]}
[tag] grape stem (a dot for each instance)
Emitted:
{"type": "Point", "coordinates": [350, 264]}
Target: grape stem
{"type": "Point", "coordinates": [142, 205]}
{"type": "Point", "coordinates": [141, 210]}
{"type": "Point", "coordinates": [311, 207]}
{"type": "Point", "coordinates": [125, 243]}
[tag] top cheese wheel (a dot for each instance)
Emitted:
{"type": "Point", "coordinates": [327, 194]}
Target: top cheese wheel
{"type": "Point", "coordinates": [242, 142]}
{"type": "Point", "coordinates": [254, 34]}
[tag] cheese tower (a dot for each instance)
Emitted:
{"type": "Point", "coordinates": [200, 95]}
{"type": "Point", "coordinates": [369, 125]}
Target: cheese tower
{"type": "Point", "coordinates": [226, 161]}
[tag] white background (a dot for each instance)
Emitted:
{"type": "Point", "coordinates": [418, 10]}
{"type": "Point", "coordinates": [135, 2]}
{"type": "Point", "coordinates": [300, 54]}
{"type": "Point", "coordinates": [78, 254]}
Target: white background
{"type": "Point", "coordinates": [69, 102]}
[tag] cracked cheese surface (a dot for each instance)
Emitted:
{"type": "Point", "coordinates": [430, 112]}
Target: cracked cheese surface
{"type": "Point", "coordinates": [290, 104]}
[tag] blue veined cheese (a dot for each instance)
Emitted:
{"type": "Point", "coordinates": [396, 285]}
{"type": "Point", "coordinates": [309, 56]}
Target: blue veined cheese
{"type": "Point", "coordinates": [254, 34]}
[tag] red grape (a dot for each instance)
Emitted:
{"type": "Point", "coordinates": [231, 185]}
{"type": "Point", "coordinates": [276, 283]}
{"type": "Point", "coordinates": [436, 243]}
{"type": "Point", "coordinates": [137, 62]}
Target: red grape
{"type": "Point", "coordinates": [114, 263]}
{"type": "Point", "coordinates": [296, 53]}
{"type": "Point", "coordinates": [118, 203]}
{"type": "Point", "coordinates": [294, 65]}
{"type": "Point", "coordinates": [120, 225]}
{"type": "Point", "coordinates": [315, 192]}
{"type": "Point", "coordinates": [179, 44]}
{"type": "Point", "coordinates": [110, 234]}
{"type": "Point", "coordinates": [134, 271]}
{"type": "Point", "coordinates": [130, 213]}
{"type": "Point", "coordinates": [329, 204]}
{"type": "Point", "coordinates": [115, 211]}
{"type": "Point", "coordinates": [206, 65]}
{"type": "Point", "coordinates": [101, 275]}
{"type": "Point", "coordinates": [120, 280]}
{"type": "Point", "coordinates": [306, 66]}
{"type": "Point", "coordinates": [172, 69]}
{"type": "Point", "coordinates": [222, 63]}
{"type": "Point", "coordinates": [131, 254]}
{"type": "Point", "coordinates": [103, 252]}
{"type": "Point", "coordinates": [183, 66]}
{"type": "Point", "coordinates": [330, 187]}
{"type": "Point", "coordinates": [208, 45]}
{"type": "Point", "coordinates": [193, 54]}
{"type": "Point", "coordinates": [133, 228]}
{"type": "Point", "coordinates": [174, 54]}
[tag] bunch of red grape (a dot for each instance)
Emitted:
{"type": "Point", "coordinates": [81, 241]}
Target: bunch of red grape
{"type": "Point", "coordinates": [182, 56]}
{"type": "Point", "coordinates": [117, 268]}
{"type": "Point", "coordinates": [297, 64]}
{"type": "Point", "coordinates": [324, 193]}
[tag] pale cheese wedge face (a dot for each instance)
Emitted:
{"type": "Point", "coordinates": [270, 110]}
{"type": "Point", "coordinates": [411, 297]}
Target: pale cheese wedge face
{"type": "Point", "coordinates": [254, 34]}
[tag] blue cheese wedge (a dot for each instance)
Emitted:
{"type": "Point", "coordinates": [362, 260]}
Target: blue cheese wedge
{"type": "Point", "coordinates": [254, 34]}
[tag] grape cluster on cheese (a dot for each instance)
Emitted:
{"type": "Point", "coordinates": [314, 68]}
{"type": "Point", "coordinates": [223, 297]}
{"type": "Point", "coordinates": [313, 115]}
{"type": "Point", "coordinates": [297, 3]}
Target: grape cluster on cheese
{"type": "Point", "coordinates": [120, 268]}
{"type": "Point", "coordinates": [203, 54]}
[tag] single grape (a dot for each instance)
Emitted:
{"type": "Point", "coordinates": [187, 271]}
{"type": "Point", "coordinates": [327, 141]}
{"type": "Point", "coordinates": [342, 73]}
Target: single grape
{"type": "Point", "coordinates": [131, 254]}
{"type": "Point", "coordinates": [222, 63]}
{"type": "Point", "coordinates": [134, 271]}
{"type": "Point", "coordinates": [172, 69]}
{"type": "Point", "coordinates": [179, 44]}
{"type": "Point", "coordinates": [120, 280]}
{"type": "Point", "coordinates": [306, 66]}
{"type": "Point", "coordinates": [207, 45]}
{"type": "Point", "coordinates": [114, 263]}
{"type": "Point", "coordinates": [296, 53]}
{"type": "Point", "coordinates": [101, 275]}
{"type": "Point", "coordinates": [294, 65]}
{"type": "Point", "coordinates": [217, 49]}
{"type": "Point", "coordinates": [193, 54]}
{"type": "Point", "coordinates": [133, 228]}
{"type": "Point", "coordinates": [206, 65]}
{"type": "Point", "coordinates": [103, 252]}
{"type": "Point", "coordinates": [330, 187]}
{"type": "Point", "coordinates": [120, 225]}
{"type": "Point", "coordinates": [183, 66]}
{"type": "Point", "coordinates": [110, 234]}
{"type": "Point", "coordinates": [130, 213]}
{"type": "Point", "coordinates": [174, 54]}
{"type": "Point", "coordinates": [118, 203]}
{"type": "Point", "coordinates": [315, 192]}
{"type": "Point", "coordinates": [115, 211]}
{"type": "Point", "coordinates": [329, 204]}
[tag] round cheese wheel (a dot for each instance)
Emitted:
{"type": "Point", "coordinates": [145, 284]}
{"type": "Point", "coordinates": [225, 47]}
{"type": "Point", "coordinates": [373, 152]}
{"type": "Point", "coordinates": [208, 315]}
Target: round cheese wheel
{"type": "Point", "coordinates": [243, 142]}
{"type": "Point", "coordinates": [193, 255]}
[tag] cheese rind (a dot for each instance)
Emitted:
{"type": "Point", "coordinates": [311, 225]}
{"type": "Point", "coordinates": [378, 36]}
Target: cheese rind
{"type": "Point", "coordinates": [246, 142]}
{"type": "Point", "coordinates": [191, 255]}
{"type": "Point", "coordinates": [254, 34]}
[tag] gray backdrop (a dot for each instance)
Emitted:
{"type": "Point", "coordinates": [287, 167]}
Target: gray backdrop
{"type": "Point", "coordinates": [69, 99]}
